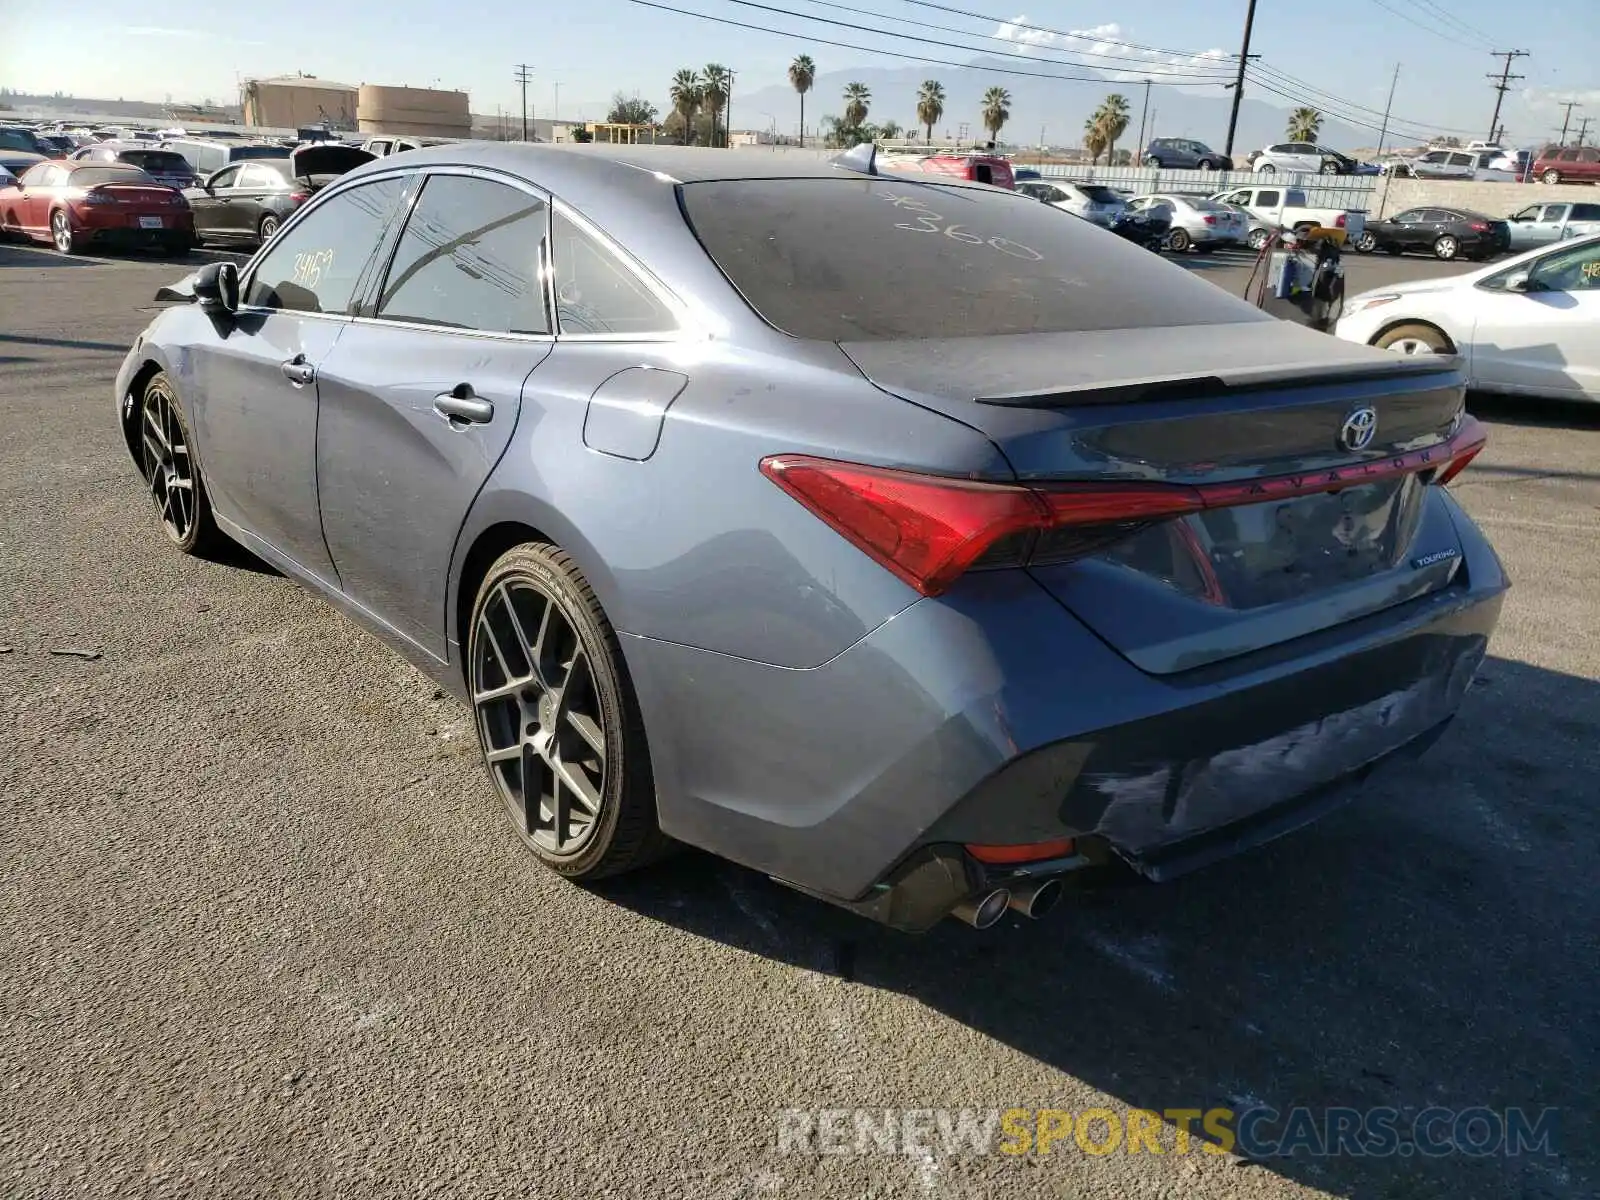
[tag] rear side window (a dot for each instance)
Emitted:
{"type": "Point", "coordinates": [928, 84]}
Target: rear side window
{"type": "Point", "coordinates": [317, 264]}
{"type": "Point", "coordinates": [596, 292]}
{"type": "Point", "coordinates": [1585, 212]}
{"type": "Point", "coordinates": [873, 259]}
{"type": "Point", "coordinates": [1096, 194]}
{"type": "Point", "coordinates": [469, 259]}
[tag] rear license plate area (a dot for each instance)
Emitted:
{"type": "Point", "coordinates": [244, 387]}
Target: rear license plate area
{"type": "Point", "coordinates": [152, 223]}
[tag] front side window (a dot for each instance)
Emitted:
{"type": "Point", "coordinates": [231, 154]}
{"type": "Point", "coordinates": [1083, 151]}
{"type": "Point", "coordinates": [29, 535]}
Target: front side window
{"type": "Point", "coordinates": [261, 179]}
{"type": "Point", "coordinates": [469, 259]}
{"type": "Point", "coordinates": [1575, 270]}
{"type": "Point", "coordinates": [227, 178]}
{"type": "Point", "coordinates": [597, 292]}
{"type": "Point", "coordinates": [1555, 212]}
{"type": "Point", "coordinates": [36, 175]}
{"type": "Point", "coordinates": [1531, 213]}
{"type": "Point", "coordinates": [317, 264]}
{"type": "Point", "coordinates": [1409, 217]}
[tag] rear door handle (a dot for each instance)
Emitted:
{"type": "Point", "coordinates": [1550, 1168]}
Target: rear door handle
{"type": "Point", "coordinates": [298, 371]}
{"type": "Point", "coordinates": [462, 404]}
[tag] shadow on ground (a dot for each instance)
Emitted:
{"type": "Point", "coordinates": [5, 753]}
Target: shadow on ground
{"type": "Point", "coordinates": [1436, 943]}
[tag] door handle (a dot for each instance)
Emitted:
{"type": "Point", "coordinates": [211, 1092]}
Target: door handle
{"type": "Point", "coordinates": [462, 404]}
{"type": "Point", "coordinates": [298, 371]}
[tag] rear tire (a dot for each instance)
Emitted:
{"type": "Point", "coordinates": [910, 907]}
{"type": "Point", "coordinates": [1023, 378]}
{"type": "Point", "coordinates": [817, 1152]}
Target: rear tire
{"type": "Point", "coordinates": [61, 234]}
{"type": "Point", "coordinates": [554, 707]}
{"type": "Point", "coordinates": [1179, 240]}
{"type": "Point", "coordinates": [171, 471]}
{"type": "Point", "coordinates": [1205, 164]}
{"type": "Point", "coordinates": [1414, 339]}
{"type": "Point", "coordinates": [1153, 162]}
{"type": "Point", "coordinates": [1366, 243]}
{"type": "Point", "coordinates": [1551, 176]}
{"type": "Point", "coordinates": [268, 227]}
{"type": "Point", "coordinates": [1330, 168]}
{"type": "Point", "coordinates": [1447, 248]}
{"type": "Point", "coordinates": [1266, 169]}
{"type": "Point", "coordinates": [1258, 239]}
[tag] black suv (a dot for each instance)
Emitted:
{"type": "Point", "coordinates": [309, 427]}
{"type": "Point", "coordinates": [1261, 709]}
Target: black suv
{"type": "Point", "coordinates": [1185, 153]}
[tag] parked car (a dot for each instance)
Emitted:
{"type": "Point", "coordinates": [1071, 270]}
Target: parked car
{"type": "Point", "coordinates": [164, 166]}
{"type": "Point", "coordinates": [1445, 233]}
{"type": "Point", "coordinates": [1291, 208]}
{"type": "Point", "coordinates": [22, 139]}
{"type": "Point", "coordinates": [1529, 326]}
{"type": "Point", "coordinates": [1304, 157]}
{"type": "Point", "coordinates": [74, 205]}
{"type": "Point", "coordinates": [1568, 164]}
{"type": "Point", "coordinates": [1443, 163]}
{"type": "Point", "coordinates": [1516, 162]}
{"type": "Point", "coordinates": [1542, 224]}
{"type": "Point", "coordinates": [1258, 230]}
{"type": "Point", "coordinates": [207, 156]}
{"type": "Point", "coordinates": [1184, 153]}
{"type": "Point", "coordinates": [1197, 223]}
{"type": "Point", "coordinates": [18, 161]}
{"type": "Point", "coordinates": [248, 201]}
{"type": "Point", "coordinates": [381, 147]}
{"type": "Point", "coordinates": [6, 178]}
{"type": "Point", "coordinates": [60, 145]}
{"type": "Point", "coordinates": [935, 501]}
{"type": "Point", "coordinates": [1092, 201]}
{"type": "Point", "coordinates": [975, 167]}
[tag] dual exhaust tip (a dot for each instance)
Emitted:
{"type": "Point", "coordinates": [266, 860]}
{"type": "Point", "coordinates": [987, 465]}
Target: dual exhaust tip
{"type": "Point", "coordinates": [1032, 900]}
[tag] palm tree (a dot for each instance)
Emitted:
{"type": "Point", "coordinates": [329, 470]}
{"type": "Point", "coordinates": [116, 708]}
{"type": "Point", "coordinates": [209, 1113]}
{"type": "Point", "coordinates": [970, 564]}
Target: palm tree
{"type": "Point", "coordinates": [930, 104]}
{"type": "Point", "coordinates": [1112, 116]}
{"type": "Point", "coordinates": [686, 95]}
{"type": "Point", "coordinates": [802, 74]}
{"type": "Point", "coordinates": [1094, 138]}
{"type": "Point", "coordinates": [1304, 125]}
{"type": "Point", "coordinates": [714, 91]}
{"type": "Point", "coordinates": [856, 99]}
{"type": "Point", "coordinates": [890, 130]}
{"type": "Point", "coordinates": [996, 110]}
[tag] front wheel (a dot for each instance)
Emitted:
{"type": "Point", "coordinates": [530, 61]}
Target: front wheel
{"type": "Point", "coordinates": [1551, 176]}
{"type": "Point", "coordinates": [1266, 169]}
{"type": "Point", "coordinates": [1179, 240]}
{"type": "Point", "coordinates": [1153, 162]}
{"type": "Point", "coordinates": [557, 721]}
{"type": "Point", "coordinates": [1258, 239]}
{"type": "Point", "coordinates": [1205, 164]}
{"type": "Point", "coordinates": [1446, 248]}
{"type": "Point", "coordinates": [1414, 339]}
{"type": "Point", "coordinates": [170, 471]}
{"type": "Point", "coordinates": [1330, 168]}
{"type": "Point", "coordinates": [1366, 243]}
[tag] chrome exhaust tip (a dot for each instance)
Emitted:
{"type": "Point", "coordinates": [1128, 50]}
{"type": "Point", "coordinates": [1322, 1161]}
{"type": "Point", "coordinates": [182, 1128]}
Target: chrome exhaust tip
{"type": "Point", "coordinates": [1035, 899]}
{"type": "Point", "coordinates": [984, 910]}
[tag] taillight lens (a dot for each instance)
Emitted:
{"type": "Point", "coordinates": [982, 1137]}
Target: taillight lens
{"type": "Point", "coordinates": [1478, 227]}
{"type": "Point", "coordinates": [299, 197]}
{"type": "Point", "coordinates": [1210, 220]}
{"type": "Point", "coordinates": [98, 198]}
{"type": "Point", "coordinates": [1338, 222]}
{"type": "Point", "coordinates": [929, 529]}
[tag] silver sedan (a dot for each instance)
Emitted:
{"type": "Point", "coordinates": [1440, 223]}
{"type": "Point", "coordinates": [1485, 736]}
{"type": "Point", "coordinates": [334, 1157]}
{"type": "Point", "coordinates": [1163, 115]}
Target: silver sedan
{"type": "Point", "coordinates": [1197, 223]}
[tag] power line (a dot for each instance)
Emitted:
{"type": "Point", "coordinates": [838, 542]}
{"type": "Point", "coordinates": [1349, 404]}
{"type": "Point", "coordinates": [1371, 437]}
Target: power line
{"type": "Point", "coordinates": [1434, 9]}
{"type": "Point", "coordinates": [1504, 84]}
{"type": "Point", "coordinates": [1433, 29]}
{"type": "Point", "coordinates": [1307, 93]}
{"type": "Point", "coordinates": [912, 37]}
{"type": "Point", "coordinates": [922, 58]}
{"type": "Point", "coordinates": [1347, 118]}
{"type": "Point", "coordinates": [1065, 33]}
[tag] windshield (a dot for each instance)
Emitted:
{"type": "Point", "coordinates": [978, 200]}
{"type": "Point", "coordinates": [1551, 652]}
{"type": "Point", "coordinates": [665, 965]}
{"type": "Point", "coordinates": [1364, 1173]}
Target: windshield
{"type": "Point", "coordinates": [852, 259]}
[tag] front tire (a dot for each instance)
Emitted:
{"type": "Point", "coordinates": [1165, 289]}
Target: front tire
{"type": "Point", "coordinates": [171, 472]}
{"type": "Point", "coordinates": [558, 724]}
{"type": "Point", "coordinates": [1330, 168]}
{"type": "Point", "coordinates": [1446, 248]}
{"type": "Point", "coordinates": [1414, 339]}
{"type": "Point", "coordinates": [1266, 169]}
{"type": "Point", "coordinates": [1205, 164]}
{"type": "Point", "coordinates": [1551, 176]}
{"type": "Point", "coordinates": [1153, 162]}
{"type": "Point", "coordinates": [1366, 243]}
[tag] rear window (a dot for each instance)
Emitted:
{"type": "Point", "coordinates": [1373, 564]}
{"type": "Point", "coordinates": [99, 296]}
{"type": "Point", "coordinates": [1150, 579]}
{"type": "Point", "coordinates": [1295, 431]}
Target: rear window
{"type": "Point", "coordinates": [163, 161]}
{"type": "Point", "coordinates": [1211, 206]}
{"type": "Point", "coordinates": [879, 259]}
{"type": "Point", "coordinates": [93, 176]}
{"type": "Point", "coordinates": [240, 153]}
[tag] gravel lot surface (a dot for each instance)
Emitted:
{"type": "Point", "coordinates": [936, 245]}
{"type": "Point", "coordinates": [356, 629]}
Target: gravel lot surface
{"type": "Point", "coordinates": [264, 933]}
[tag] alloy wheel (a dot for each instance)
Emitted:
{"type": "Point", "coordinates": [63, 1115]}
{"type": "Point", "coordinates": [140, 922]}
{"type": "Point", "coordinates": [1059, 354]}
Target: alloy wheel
{"type": "Point", "coordinates": [168, 467]}
{"type": "Point", "coordinates": [1366, 243]}
{"type": "Point", "coordinates": [61, 232]}
{"type": "Point", "coordinates": [539, 716]}
{"type": "Point", "coordinates": [1446, 247]}
{"type": "Point", "coordinates": [1410, 346]}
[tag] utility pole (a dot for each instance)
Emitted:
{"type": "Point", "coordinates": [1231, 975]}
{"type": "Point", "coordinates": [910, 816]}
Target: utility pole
{"type": "Point", "coordinates": [1502, 85]}
{"type": "Point", "coordinates": [1389, 104]}
{"type": "Point", "coordinates": [1144, 111]}
{"type": "Point", "coordinates": [555, 109]}
{"type": "Point", "coordinates": [1238, 83]}
{"type": "Point", "coordinates": [1583, 128]}
{"type": "Point", "coordinates": [524, 73]}
{"type": "Point", "coordinates": [727, 116]}
{"type": "Point", "coordinates": [1566, 118]}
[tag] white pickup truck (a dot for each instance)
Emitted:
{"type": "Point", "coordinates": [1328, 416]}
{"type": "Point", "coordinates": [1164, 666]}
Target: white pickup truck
{"type": "Point", "coordinates": [1287, 208]}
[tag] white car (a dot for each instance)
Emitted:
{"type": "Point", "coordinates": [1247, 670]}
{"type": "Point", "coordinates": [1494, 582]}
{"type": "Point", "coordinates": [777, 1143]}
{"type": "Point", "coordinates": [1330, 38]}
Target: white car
{"type": "Point", "coordinates": [1197, 222]}
{"type": "Point", "coordinates": [1528, 325]}
{"type": "Point", "coordinates": [1092, 201]}
{"type": "Point", "coordinates": [1303, 157]}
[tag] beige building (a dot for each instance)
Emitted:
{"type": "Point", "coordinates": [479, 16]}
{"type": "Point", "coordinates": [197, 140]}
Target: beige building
{"type": "Point", "coordinates": [421, 112]}
{"type": "Point", "coordinates": [295, 101]}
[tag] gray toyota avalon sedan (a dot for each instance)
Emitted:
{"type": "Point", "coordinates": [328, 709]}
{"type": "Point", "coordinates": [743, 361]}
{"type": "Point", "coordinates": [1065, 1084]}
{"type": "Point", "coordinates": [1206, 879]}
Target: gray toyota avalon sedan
{"type": "Point", "coordinates": [905, 539]}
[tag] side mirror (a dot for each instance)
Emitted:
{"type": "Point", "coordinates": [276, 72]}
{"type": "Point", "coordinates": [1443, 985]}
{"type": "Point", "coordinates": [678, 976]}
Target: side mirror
{"type": "Point", "coordinates": [216, 286]}
{"type": "Point", "coordinates": [1518, 282]}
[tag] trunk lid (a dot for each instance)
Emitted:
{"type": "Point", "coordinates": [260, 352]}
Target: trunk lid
{"type": "Point", "coordinates": [327, 158]}
{"type": "Point", "coordinates": [1257, 408]}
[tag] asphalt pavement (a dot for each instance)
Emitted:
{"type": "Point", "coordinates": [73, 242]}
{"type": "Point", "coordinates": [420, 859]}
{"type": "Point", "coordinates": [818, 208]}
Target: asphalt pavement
{"type": "Point", "coordinates": [265, 934]}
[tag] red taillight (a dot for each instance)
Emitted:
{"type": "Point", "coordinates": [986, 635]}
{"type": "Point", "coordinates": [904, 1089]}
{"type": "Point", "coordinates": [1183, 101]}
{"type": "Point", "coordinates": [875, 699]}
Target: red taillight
{"type": "Point", "coordinates": [1338, 222]}
{"type": "Point", "coordinates": [1031, 852]}
{"type": "Point", "coordinates": [1210, 220]}
{"type": "Point", "coordinates": [1479, 227]}
{"type": "Point", "coordinates": [92, 196]}
{"type": "Point", "coordinates": [299, 197]}
{"type": "Point", "coordinates": [930, 529]}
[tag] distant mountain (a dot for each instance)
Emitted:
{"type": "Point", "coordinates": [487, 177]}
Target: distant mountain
{"type": "Point", "coordinates": [1058, 107]}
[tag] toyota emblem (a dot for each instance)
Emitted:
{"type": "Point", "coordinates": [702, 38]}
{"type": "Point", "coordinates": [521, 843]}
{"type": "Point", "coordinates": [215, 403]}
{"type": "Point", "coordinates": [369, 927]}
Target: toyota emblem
{"type": "Point", "coordinates": [1359, 428]}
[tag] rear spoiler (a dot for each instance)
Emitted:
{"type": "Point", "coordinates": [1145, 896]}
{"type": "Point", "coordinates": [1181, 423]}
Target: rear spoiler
{"type": "Point", "coordinates": [1180, 386]}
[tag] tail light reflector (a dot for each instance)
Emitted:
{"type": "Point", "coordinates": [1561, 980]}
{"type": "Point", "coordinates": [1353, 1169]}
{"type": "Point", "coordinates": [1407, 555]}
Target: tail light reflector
{"type": "Point", "coordinates": [1210, 220]}
{"type": "Point", "coordinates": [1338, 222]}
{"type": "Point", "coordinates": [1479, 227]}
{"type": "Point", "coordinates": [930, 529]}
{"type": "Point", "coordinates": [299, 197]}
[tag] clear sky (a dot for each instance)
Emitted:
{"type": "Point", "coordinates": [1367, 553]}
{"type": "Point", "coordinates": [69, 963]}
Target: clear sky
{"type": "Point", "coordinates": [591, 48]}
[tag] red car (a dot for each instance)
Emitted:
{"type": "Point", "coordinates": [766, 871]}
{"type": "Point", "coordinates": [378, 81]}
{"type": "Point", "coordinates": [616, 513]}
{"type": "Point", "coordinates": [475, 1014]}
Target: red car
{"type": "Point", "coordinates": [77, 204]}
{"type": "Point", "coordinates": [1568, 164]}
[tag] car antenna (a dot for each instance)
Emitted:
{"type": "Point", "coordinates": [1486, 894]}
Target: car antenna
{"type": "Point", "coordinates": [862, 158]}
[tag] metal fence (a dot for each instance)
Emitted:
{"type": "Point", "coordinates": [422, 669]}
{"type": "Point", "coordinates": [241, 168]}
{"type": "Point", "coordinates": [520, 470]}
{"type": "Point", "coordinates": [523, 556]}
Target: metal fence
{"type": "Point", "coordinates": [1322, 191]}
